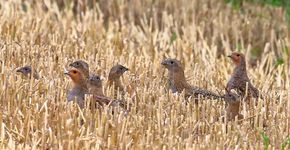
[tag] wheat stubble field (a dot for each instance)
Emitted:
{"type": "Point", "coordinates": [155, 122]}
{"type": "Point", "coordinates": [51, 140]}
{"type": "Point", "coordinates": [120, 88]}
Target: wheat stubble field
{"type": "Point", "coordinates": [35, 113]}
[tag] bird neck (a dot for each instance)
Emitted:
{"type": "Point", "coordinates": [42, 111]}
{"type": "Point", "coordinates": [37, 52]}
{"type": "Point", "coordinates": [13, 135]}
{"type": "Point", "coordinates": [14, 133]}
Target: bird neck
{"type": "Point", "coordinates": [178, 81]}
{"type": "Point", "coordinates": [113, 79]}
{"type": "Point", "coordinates": [79, 90]}
{"type": "Point", "coordinates": [81, 86]}
{"type": "Point", "coordinates": [97, 91]}
{"type": "Point", "coordinates": [241, 68]}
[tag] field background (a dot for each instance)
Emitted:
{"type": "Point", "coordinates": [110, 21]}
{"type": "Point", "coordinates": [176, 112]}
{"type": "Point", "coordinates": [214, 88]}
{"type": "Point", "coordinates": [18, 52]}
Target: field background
{"type": "Point", "coordinates": [139, 34]}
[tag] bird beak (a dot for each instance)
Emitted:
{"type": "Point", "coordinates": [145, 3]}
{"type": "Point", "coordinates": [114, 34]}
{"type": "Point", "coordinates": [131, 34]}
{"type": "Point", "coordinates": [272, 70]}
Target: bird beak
{"type": "Point", "coordinates": [18, 70]}
{"type": "Point", "coordinates": [126, 69]}
{"type": "Point", "coordinates": [230, 56]}
{"type": "Point", "coordinates": [66, 72]}
{"type": "Point", "coordinates": [163, 63]}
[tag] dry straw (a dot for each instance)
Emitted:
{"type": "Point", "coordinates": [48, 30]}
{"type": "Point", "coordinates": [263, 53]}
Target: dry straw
{"type": "Point", "coordinates": [139, 34]}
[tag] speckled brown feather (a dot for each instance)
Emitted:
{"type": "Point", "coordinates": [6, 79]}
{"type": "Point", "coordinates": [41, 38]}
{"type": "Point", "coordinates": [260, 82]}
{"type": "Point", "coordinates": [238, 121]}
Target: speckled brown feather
{"type": "Point", "coordinates": [95, 88]}
{"type": "Point", "coordinates": [239, 79]}
{"type": "Point", "coordinates": [178, 83]}
{"type": "Point", "coordinates": [232, 105]}
{"type": "Point", "coordinates": [114, 79]}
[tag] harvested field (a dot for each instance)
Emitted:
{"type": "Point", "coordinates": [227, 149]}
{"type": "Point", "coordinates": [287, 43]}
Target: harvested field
{"type": "Point", "coordinates": [139, 35]}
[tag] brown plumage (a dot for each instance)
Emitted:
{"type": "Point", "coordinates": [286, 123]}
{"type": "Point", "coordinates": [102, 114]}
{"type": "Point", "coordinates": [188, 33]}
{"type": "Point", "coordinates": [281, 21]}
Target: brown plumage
{"type": "Point", "coordinates": [95, 88]}
{"type": "Point", "coordinates": [79, 88]}
{"type": "Point", "coordinates": [232, 105]}
{"type": "Point", "coordinates": [178, 83]}
{"type": "Point", "coordinates": [114, 78]}
{"type": "Point", "coordinates": [81, 66]}
{"type": "Point", "coordinates": [95, 85]}
{"type": "Point", "coordinates": [26, 72]}
{"type": "Point", "coordinates": [239, 79]}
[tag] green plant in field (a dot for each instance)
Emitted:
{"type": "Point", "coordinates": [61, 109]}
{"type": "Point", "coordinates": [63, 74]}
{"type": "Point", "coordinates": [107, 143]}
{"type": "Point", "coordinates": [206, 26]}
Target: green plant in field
{"type": "Point", "coordinates": [173, 37]}
{"type": "Point", "coordinates": [286, 50]}
{"type": "Point", "coordinates": [279, 61]}
{"type": "Point", "coordinates": [239, 47]}
{"type": "Point", "coordinates": [266, 140]}
{"type": "Point", "coordinates": [256, 52]}
{"type": "Point", "coordinates": [276, 3]}
{"type": "Point", "coordinates": [235, 3]}
{"type": "Point", "coordinates": [287, 142]}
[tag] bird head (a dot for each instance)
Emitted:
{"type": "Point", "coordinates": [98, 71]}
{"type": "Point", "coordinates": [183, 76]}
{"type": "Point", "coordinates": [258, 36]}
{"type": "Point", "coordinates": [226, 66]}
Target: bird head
{"type": "Point", "coordinates": [76, 75]}
{"type": "Point", "coordinates": [26, 70]}
{"type": "Point", "coordinates": [172, 64]}
{"type": "Point", "coordinates": [118, 70]}
{"type": "Point", "coordinates": [95, 80]}
{"type": "Point", "coordinates": [237, 57]}
{"type": "Point", "coordinates": [82, 66]}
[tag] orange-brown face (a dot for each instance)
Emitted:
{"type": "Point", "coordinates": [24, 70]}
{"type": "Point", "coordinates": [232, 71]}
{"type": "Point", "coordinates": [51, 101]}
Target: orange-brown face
{"type": "Point", "coordinates": [81, 66]}
{"type": "Point", "coordinates": [75, 75]}
{"type": "Point", "coordinates": [236, 57]}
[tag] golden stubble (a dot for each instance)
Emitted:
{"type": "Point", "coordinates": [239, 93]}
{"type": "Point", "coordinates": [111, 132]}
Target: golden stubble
{"type": "Point", "coordinates": [139, 35]}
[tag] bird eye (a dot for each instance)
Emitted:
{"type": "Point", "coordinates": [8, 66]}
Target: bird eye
{"type": "Point", "coordinates": [238, 55]}
{"type": "Point", "coordinates": [74, 72]}
{"type": "Point", "coordinates": [171, 62]}
{"type": "Point", "coordinates": [26, 69]}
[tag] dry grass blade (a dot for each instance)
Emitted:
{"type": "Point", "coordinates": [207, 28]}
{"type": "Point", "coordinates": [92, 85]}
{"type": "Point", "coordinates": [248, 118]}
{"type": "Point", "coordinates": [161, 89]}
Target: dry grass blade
{"type": "Point", "coordinates": [140, 34]}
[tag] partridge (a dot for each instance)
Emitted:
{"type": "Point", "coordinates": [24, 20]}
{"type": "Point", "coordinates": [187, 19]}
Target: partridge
{"type": "Point", "coordinates": [114, 80]}
{"type": "Point", "coordinates": [26, 71]}
{"type": "Point", "coordinates": [232, 105]}
{"type": "Point", "coordinates": [79, 88]}
{"type": "Point", "coordinates": [81, 66]}
{"type": "Point", "coordinates": [178, 83]}
{"type": "Point", "coordinates": [95, 88]}
{"type": "Point", "coordinates": [239, 80]}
